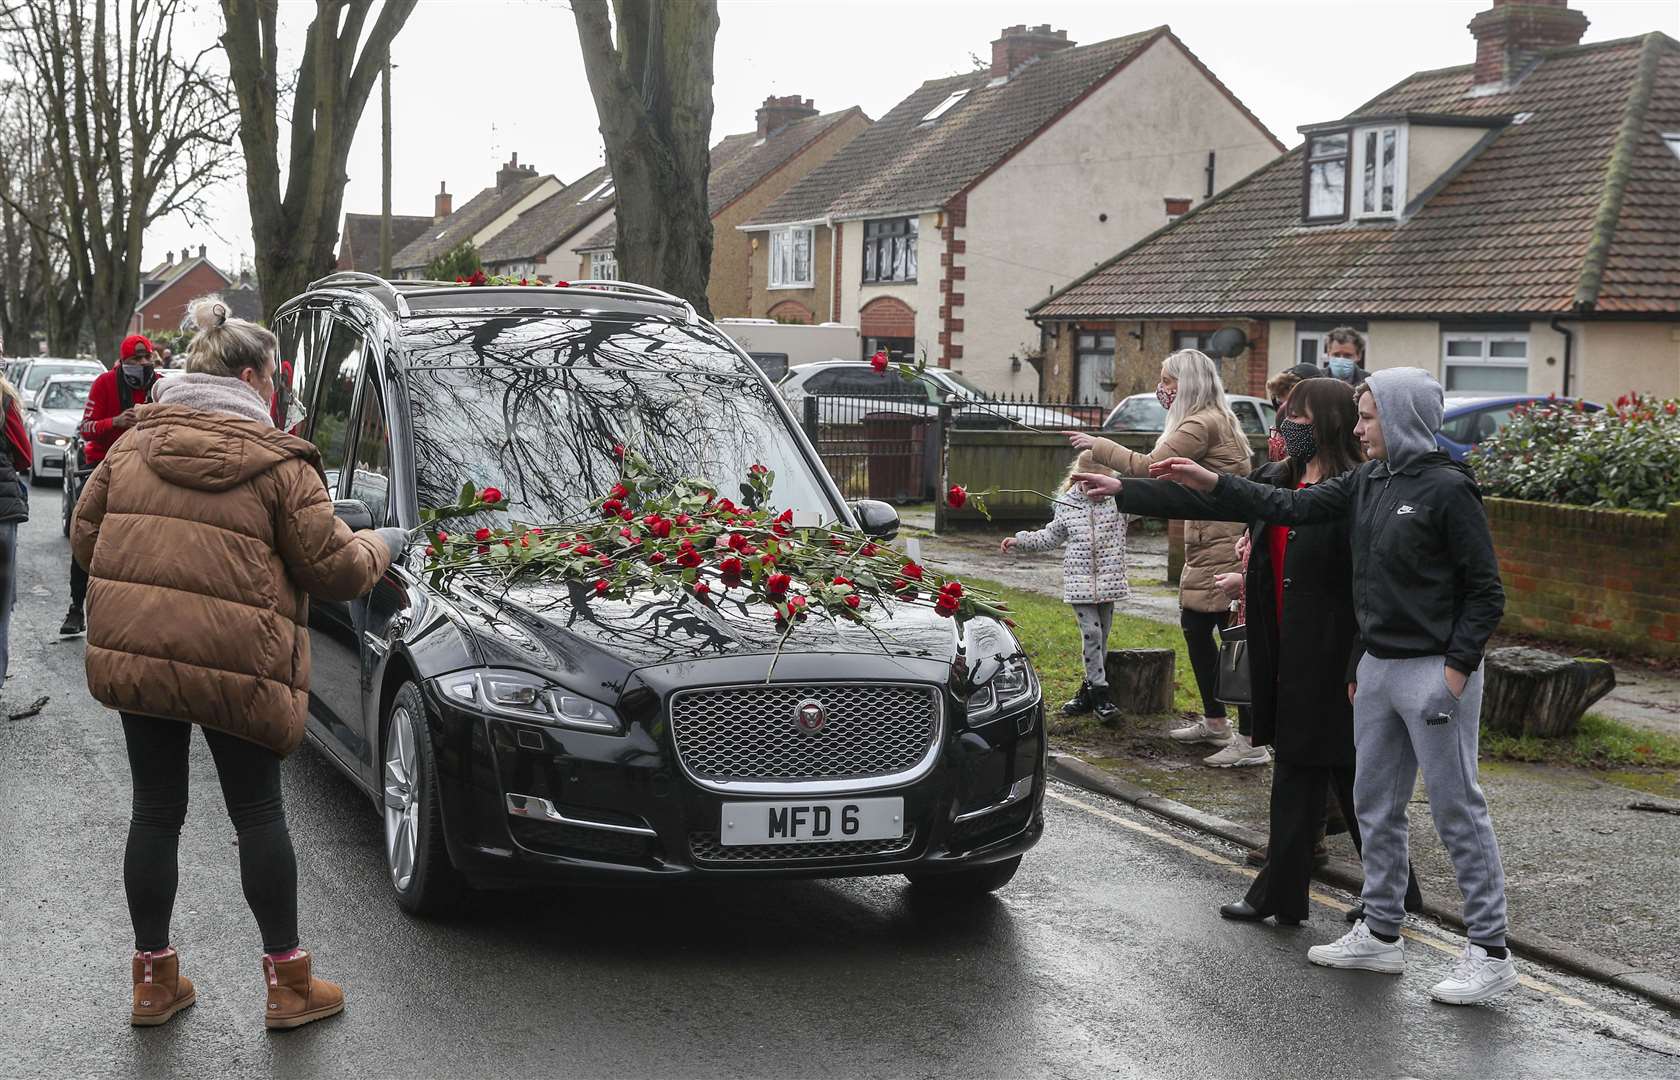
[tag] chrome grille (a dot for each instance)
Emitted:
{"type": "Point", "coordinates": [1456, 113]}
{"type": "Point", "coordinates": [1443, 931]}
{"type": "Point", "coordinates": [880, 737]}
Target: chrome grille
{"type": "Point", "coordinates": [733, 736]}
{"type": "Point", "coordinates": [706, 848]}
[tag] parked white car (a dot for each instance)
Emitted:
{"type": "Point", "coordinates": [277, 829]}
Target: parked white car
{"type": "Point", "coordinates": [1141, 412]}
{"type": "Point", "coordinates": [51, 421]}
{"type": "Point", "coordinates": [35, 374]}
{"type": "Point", "coordinates": [849, 390]}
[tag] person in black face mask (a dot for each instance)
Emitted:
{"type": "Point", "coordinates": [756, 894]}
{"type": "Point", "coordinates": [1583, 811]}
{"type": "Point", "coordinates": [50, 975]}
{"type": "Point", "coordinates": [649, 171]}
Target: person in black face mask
{"type": "Point", "coordinates": [1301, 630]}
{"type": "Point", "coordinates": [109, 413]}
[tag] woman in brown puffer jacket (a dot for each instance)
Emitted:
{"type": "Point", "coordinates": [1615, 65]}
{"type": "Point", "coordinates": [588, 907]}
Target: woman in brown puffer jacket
{"type": "Point", "coordinates": [1200, 426]}
{"type": "Point", "coordinates": [203, 533]}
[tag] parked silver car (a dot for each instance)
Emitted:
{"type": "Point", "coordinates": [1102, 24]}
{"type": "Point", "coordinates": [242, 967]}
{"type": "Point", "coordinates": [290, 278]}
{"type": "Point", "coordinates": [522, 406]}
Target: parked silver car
{"type": "Point", "coordinates": [1141, 412]}
{"type": "Point", "coordinates": [51, 421]}
{"type": "Point", "coordinates": [34, 375]}
{"type": "Point", "coordinates": [842, 385]}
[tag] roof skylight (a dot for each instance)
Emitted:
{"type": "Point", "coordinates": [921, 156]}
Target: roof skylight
{"type": "Point", "coordinates": [602, 190]}
{"type": "Point", "coordinates": [943, 107]}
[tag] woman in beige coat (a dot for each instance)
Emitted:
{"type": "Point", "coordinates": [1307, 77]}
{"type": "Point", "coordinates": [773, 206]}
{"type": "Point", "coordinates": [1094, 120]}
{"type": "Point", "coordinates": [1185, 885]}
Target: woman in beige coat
{"type": "Point", "coordinates": [1200, 426]}
{"type": "Point", "coordinates": [204, 533]}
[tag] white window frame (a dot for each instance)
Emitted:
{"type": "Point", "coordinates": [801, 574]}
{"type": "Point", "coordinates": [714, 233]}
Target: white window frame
{"type": "Point", "coordinates": [603, 265]}
{"type": "Point", "coordinates": [943, 107]}
{"type": "Point", "coordinates": [603, 190]}
{"type": "Point", "coordinates": [1486, 339]}
{"type": "Point", "coordinates": [1356, 174]}
{"type": "Point", "coordinates": [1308, 159]}
{"type": "Point", "coordinates": [784, 250]}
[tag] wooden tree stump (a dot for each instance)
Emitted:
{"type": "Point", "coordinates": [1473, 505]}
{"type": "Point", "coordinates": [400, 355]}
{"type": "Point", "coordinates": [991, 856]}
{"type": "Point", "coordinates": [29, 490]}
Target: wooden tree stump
{"type": "Point", "coordinates": [1141, 680]}
{"type": "Point", "coordinates": [1534, 692]}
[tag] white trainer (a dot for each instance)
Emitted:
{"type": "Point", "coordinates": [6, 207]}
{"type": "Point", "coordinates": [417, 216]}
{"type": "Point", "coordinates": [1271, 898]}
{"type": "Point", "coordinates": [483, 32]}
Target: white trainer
{"type": "Point", "coordinates": [1476, 977]}
{"type": "Point", "coordinates": [1239, 752]}
{"type": "Point", "coordinates": [1202, 731]}
{"type": "Point", "coordinates": [1359, 948]}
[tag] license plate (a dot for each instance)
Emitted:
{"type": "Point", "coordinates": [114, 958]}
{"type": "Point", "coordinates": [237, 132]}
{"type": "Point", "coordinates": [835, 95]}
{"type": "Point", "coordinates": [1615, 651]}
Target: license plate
{"type": "Point", "coordinates": [820, 822]}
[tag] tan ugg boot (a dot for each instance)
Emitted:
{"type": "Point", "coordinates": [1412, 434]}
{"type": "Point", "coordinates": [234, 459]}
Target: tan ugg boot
{"type": "Point", "coordinates": [160, 990]}
{"type": "Point", "coordinates": [295, 998]}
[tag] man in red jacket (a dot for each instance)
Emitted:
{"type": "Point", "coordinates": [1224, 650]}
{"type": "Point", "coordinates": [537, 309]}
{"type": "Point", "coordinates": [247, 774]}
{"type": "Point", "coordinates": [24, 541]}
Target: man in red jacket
{"type": "Point", "coordinates": [109, 412]}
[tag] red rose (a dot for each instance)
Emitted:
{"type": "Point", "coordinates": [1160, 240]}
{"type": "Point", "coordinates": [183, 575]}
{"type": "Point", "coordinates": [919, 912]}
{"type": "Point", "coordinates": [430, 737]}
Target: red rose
{"type": "Point", "coordinates": [837, 543]}
{"type": "Point", "coordinates": [491, 495]}
{"type": "Point", "coordinates": [477, 278]}
{"type": "Point", "coordinates": [484, 549]}
{"type": "Point", "coordinates": [524, 541]}
{"type": "Point", "coordinates": [688, 559]}
{"type": "Point", "coordinates": [583, 549]}
{"type": "Point", "coordinates": [536, 532]}
{"type": "Point", "coordinates": [952, 588]}
{"type": "Point", "coordinates": [601, 586]}
{"type": "Point", "coordinates": [604, 560]}
{"type": "Point", "coordinates": [956, 497]}
{"type": "Point", "coordinates": [701, 588]}
{"type": "Point", "coordinates": [611, 508]}
{"type": "Point", "coordinates": [660, 527]}
{"type": "Point", "coordinates": [618, 450]}
{"type": "Point", "coordinates": [879, 361]}
{"type": "Point", "coordinates": [869, 550]}
{"type": "Point", "coordinates": [1670, 408]}
{"type": "Point", "coordinates": [777, 584]}
{"type": "Point", "coordinates": [725, 506]}
{"type": "Point", "coordinates": [758, 470]}
{"type": "Point", "coordinates": [619, 491]}
{"type": "Point", "coordinates": [796, 605]}
{"type": "Point", "coordinates": [684, 521]}
{"type": "Point", "coordinates": [628, 534]}
{"type": "Point", "coordinates": [911, 570]}
{"type": "Point", "coordinates": [781, 530]}
{"type": "Point", "coordinates": [562, 284]}
{"type": "Point", "coordinates": [737, 542]}
{"type": "Point", "coordinates": [785, 518]}
{"type": "Point", "coordinates": [842, 581]}
{"type": "Point", "coordinates": [731, 567]}
{"type": "Point", "coordinates": [852, 601]}
{"type": "Point", "coordinates": [627, 514]}
{"type": "Point", "coordinates": [656, 558]}
{"type": "Point", "coordinates": [481, 535]}
{"type": "Point", "coordinates": [507, 541]}
{"type": "Point", "coordinates": [946, 605]}
{"type": "Point", "coordinates": [431, 552]}
{"type": "Point", "coordinates": [522, 281]}
{"type": "Point", "coordinates": [905, 588]}
{"type": "Point", "coordinates": [443, 538]}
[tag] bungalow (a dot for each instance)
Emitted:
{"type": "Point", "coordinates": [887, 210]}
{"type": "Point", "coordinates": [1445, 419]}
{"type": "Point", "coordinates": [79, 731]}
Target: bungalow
{"type": "Point", "coordinates": [749, 171]}
{"type": "Point", "coordinates": [980, 193]}
{"type": "Point", "coordinates": [544, 240]}
{"type": "Point", "coordinates": [358, 240]}
{"type": "Point", "coordinates": [1512, 225]}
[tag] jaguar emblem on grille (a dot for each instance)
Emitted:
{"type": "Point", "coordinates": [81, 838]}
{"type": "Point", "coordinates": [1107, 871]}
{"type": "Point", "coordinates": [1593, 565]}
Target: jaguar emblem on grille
{"type": "Point", "coordinates": [810, 717]}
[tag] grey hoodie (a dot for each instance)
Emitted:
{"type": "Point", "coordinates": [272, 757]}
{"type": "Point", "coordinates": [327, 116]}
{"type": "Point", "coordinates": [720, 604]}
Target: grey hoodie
{"type": "Point", "coordinates": [1409, 404]}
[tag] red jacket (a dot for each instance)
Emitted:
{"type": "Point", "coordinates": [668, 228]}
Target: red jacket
{"type": "Point", "coordinates": [104, 405]}
{"type": "Point", "coordinates": [17, 436]}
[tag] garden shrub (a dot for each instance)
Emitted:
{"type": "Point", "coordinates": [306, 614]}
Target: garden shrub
{"type": "Point", "coordinates": [1624, 458]}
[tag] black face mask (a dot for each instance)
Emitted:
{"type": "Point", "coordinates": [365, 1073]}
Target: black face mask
{"type": "Point", "coordinates": [1298, 440]}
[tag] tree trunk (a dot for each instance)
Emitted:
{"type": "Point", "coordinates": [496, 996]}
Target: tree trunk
{"type": "Point", "coordinates": [1141, 680]}
{"type": "Point", "coordinates": [653, 94]}
{"type": "Point", "coordinates": [1534, 692]}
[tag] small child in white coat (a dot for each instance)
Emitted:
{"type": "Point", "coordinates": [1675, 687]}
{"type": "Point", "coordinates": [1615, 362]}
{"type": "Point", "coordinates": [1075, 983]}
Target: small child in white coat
{"type": "Point", "coordinates": [1092, 535]}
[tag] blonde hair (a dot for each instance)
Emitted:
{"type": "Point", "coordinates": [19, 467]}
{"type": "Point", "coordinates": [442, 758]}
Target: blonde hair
{"type": "Point", "coordinates": [1087, 464]}
{"type": "Point", "coordinates": [222, 343]}
{"type": "Point", "coordinates": [1199, 390]}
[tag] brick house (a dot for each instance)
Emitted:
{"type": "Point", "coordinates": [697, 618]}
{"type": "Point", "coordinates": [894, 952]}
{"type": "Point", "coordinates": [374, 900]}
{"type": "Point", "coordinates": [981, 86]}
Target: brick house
{"type": "Point", "coordinates": [544, 241]}
{"type": "Point", "coordinates": [358, 239]}
{"type": "Point", "coordinates": [749, 171]}
{"type": "Point", "coordinates": [167, 289]}
{"type": "Point", "coordinates": [1511, 224]}
{"type": "Point", "coordinates": [935, 229]}
{"type": "Point", "coordinates": [518, 188]}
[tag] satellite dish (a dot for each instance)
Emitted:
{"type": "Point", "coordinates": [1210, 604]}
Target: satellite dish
{"type": "Point", "coordinates": [1227, 343]}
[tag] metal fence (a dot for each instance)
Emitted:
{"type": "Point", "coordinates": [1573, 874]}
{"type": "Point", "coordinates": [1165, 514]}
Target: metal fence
{"type": "Point", "coordinates": [893, 448]}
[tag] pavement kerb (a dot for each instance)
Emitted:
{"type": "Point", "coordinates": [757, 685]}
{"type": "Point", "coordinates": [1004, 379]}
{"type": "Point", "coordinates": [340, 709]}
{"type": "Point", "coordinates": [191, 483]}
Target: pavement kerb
{"type": "Point", "coordinates": [1342, 873]}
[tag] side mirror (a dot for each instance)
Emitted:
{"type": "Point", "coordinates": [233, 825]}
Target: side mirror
{"type": "Point", "coordinates": [354, 513]}
{"type": "Point", "coordinates": [878, 519]}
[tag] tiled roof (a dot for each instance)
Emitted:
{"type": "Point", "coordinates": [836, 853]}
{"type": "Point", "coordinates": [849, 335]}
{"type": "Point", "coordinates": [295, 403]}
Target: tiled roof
{"type": "Point", "coordinates": [1575, 207]}
{"type": "Point", "coordinates": [245, 301]}
{"type": "Point", "coordinates": [551, 222]}
{"type": "Point", "coordinates": [741, 162]}
{"type": "Point", "coordinates": [477, 212]}
{"type": "Point", "coordinates": [360, 238]}
{"type": "Point", "coordinates": [171, 274]}
{"type": "Point", "coordinates": [901, 164]}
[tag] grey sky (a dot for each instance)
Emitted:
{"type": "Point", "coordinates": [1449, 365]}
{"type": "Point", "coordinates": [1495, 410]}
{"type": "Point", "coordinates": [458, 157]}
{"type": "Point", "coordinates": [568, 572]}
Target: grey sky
{"type": "Point", "coordinates": [478, 79]}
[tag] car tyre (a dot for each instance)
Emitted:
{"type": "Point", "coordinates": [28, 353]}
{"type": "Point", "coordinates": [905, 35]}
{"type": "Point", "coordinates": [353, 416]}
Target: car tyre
{"type": "Point", "coordinates": [966, 884]}
{"type": "Point", "coordinates": [416, 858]}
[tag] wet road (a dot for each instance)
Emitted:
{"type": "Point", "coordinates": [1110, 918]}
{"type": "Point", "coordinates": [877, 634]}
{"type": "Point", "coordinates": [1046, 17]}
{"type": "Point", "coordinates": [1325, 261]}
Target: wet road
{"type": "Point", "coordinates": [1103, 958]}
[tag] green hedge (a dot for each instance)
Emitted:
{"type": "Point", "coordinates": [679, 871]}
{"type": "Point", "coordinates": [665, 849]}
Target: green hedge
{"type": "Point", "coordinates": [1623, 458]}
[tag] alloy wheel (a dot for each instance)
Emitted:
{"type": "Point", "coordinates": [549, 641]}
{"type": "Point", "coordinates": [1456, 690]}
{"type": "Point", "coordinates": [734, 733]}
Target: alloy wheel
{"type": "Point", "coordinates": [402, 798]}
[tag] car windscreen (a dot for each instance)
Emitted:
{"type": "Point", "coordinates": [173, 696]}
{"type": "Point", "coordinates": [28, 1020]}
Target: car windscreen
{"type": "Point", "coordinates": [66, 395]}
{"type": "Point", "coordinates": [40, 373]}
{"type": "Point", "coordinates": [535, 407]}
{"type": "Point", "coordinates": [1140, 413]}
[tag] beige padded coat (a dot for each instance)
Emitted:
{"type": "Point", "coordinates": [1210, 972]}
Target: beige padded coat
{"type": "Point", "coordinates": [1210, 547]}
{"type": "Point", "coordinates": [203, 536]}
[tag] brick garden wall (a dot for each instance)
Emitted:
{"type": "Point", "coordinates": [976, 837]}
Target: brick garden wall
{"type": "Point", "coordinates": [1609, 578]}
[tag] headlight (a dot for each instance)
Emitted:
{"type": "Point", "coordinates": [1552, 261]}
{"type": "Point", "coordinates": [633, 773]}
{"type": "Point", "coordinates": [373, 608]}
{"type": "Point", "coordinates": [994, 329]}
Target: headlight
{"type": "Point", "coordinates": [519, 695]}
{"type": "Point", "coordinates": [1013, 686]}
{"type": "Point", "coordinates": [54, 440]}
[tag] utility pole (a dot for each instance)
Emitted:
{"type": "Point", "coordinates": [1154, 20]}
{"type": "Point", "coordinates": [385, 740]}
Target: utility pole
{"type": "Point", "coordinates": [385, 171]}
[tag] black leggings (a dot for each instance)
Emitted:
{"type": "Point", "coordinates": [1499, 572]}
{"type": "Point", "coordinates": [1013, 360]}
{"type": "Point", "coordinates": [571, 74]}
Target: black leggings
{"type": "Point", "coordinates": [1204, 654]}
{"type": "Point", "coordinates": [250, 776]}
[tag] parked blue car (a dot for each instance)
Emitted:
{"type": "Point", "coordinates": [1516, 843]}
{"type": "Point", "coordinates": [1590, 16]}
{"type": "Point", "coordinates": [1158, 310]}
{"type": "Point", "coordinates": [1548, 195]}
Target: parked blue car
{"type": "Point", "coordinates": [1469, 420]}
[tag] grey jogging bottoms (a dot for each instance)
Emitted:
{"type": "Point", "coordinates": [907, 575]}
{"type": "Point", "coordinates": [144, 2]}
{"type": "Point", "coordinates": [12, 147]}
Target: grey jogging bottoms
{"type": "Point", "coordinates": [1094, 622]}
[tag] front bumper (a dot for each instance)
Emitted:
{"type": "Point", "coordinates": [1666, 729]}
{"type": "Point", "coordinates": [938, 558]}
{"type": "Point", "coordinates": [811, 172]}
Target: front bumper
{"type": "Point", "coordinates": [49, 460]}
{"type": "Point", "coordinates": [524, 802]}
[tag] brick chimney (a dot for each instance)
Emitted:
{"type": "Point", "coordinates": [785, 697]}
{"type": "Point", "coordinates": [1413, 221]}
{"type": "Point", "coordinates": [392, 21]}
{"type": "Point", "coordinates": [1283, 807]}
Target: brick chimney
{"type": "Point", "coordinates": [512, 173]}
{"type": "Point", "coordinates": [443, 203]}
{"type": "Point", "coordinates": [1018, 44]}
{"type": "Point", "coordinates": [185, 254]}
{"type": "Point", "coordinates": [778, 112]}
{"type": "Point", "coordinates": [203, 251]}
{"type": "Point", "coordinates": [1512, 33]}
{"type": "Point", "coordinates": [170, 260]}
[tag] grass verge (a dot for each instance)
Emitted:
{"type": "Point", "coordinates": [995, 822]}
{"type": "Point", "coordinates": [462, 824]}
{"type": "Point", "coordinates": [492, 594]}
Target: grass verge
{"type": "Point", "coordinates": [1598, 743]}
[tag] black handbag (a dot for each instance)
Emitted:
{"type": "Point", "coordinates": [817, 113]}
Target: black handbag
{"type": "Point", "coordinates": [1233, 686]}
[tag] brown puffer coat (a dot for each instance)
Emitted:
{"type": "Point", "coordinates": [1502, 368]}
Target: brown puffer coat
{"type": "Point", "coordinates": [203, 536]}
{"type": "Point", "coordinates": [1210, 547]}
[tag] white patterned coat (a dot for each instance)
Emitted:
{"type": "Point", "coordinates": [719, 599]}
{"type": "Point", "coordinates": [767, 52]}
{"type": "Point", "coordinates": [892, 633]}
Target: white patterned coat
{"type": "Point", "coordinates": [1092, 535]}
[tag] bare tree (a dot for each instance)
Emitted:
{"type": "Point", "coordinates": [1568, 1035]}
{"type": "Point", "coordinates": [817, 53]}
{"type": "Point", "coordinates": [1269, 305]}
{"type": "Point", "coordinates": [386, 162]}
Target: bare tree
{"type": "Point", "coordinates": [653, 94]}
{"type": "Point", "coordinates": [38, 289]}
{"type": "Point", "coordinates": [137, 133]}
{"type": "Point", "coordinates": [295, 230]}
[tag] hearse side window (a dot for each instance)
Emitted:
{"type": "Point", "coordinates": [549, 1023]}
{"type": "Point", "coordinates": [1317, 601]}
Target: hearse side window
{"type": "Point", "coordinates": [300, 357]}
{"type": "Point", "coordinates": [341, 361]}
{"type": "Point", "coordinates": [370, 479]}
